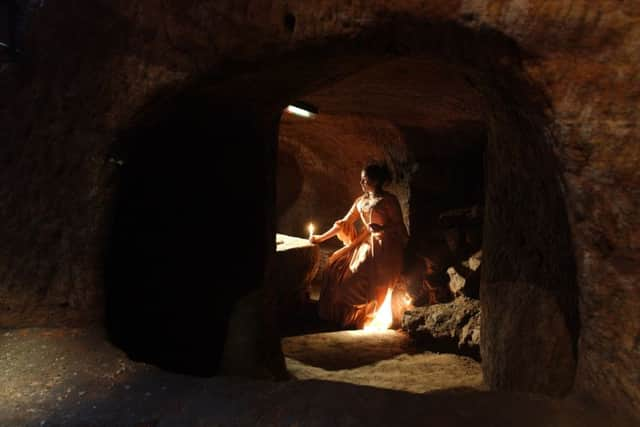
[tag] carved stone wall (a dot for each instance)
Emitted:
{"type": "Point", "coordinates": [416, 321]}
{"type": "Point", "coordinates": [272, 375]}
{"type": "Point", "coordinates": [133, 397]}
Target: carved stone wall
{"type": "Point", "coordinates": [89, 68]}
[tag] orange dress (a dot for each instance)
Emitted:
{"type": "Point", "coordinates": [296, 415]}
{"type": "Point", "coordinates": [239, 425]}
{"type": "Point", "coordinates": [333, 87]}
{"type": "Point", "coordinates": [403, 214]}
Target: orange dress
{"type": "Point", "coordinates": [358, 275]}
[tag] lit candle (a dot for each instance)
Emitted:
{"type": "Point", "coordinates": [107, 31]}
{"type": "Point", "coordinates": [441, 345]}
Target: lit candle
{"type": "Point", "coordinates": [311, 229]}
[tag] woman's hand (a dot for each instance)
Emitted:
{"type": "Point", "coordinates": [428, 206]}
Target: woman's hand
{"type": "Point", "coordinates": [314, 238]}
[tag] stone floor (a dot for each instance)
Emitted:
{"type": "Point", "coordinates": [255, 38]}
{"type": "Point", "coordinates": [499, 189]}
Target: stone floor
{"type": "Point", "coordinates": [72, 377]}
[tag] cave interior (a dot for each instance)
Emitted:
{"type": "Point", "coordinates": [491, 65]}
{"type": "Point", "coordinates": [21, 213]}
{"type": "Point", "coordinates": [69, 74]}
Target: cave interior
{"type": "Point", "coordinates": [151, 178]}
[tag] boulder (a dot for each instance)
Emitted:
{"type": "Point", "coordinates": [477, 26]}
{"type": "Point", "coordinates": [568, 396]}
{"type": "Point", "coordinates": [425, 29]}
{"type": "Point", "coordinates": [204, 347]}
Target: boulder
{"type": "Point", "coordinates": [451, 328]}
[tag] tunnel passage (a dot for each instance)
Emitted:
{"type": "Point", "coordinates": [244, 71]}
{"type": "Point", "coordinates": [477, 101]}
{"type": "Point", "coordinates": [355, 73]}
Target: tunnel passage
{"type": "Point", "coordinates": [434, 151]}
{"type": "Point", "coordinates": [483, 137]}
{"type": "Point", "coordinates": [447, 206]}
{"type": "Point", "coordinates": [85, 87]}
{"type": "Point", "coordinates": [529, 270]}
{"type": "Point", "coordinates": [186, 234]}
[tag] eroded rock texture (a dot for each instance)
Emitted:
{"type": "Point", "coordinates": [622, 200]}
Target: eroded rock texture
{"type": "Point", "coordinates": [452, 327]}
{"type": "Point", "coordinates": [513, 313]}
{"type": "Point", "coordinates": [558, 88]}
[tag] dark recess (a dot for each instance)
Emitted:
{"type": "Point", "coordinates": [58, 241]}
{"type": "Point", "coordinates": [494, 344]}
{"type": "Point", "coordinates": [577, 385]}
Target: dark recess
{"type": "Point", "coordinates": [186, 238]}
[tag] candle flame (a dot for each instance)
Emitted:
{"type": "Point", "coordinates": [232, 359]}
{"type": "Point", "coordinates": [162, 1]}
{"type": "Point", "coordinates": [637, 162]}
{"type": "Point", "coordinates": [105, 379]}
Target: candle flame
{"type": "Point", "coordinates": [311, 229]}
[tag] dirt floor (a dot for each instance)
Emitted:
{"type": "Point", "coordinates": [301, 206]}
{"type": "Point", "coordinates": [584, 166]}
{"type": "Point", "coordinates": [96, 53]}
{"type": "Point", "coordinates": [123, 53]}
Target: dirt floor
{"type": "Point", "coordinates": [69, 377]}
{"type": "Point", "coordinates": [385, 360]}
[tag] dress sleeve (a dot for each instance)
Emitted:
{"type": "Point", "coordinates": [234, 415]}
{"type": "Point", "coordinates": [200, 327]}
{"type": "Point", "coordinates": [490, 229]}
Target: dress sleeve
{"type": "Point", "coordinates": [351, 216]}
{"type": "Point", "coordinates": [346, 229]}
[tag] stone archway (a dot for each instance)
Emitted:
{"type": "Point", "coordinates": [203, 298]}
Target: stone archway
{"type": "Point", "coordinates": [89, 67]}
{"type": "Point", "coordinates": [530, 275]}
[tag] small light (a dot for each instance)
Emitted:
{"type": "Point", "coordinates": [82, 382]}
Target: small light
{"type": "Point", "coordinates": [298, 111]}
{"type": "Point", "coordinates": [302, 109]}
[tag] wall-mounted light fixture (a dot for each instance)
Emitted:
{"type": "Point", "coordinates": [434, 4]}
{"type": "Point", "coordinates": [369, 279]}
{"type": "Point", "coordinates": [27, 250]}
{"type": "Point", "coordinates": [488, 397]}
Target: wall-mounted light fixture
{"type": "Point", "coordinates": [302, 109]}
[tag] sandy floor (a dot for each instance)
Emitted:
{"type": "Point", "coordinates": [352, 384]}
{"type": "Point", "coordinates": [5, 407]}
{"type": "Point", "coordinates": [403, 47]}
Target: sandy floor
{"type": "Point", "coordinates": [384, 359]}
{"type": "Point", "coordinates": [53, 377]}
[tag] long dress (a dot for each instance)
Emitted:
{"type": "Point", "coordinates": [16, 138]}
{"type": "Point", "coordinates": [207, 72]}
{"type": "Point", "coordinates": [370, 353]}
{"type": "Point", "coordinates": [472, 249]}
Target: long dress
{"type": "Point", "coordinates": [358, 275]}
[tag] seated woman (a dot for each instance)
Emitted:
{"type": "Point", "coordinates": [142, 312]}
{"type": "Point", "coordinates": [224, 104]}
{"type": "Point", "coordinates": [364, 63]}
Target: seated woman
{"type": "Point", "coordinates": [358, 275]}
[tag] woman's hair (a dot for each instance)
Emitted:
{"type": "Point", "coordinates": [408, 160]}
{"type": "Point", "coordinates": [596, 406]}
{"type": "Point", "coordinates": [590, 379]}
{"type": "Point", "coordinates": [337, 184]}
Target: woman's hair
{"type": "Point", "coordinates": [378, 172]}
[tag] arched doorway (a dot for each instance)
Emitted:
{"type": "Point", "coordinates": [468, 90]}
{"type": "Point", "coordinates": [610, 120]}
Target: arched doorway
{"type": "Point", "coordinates": [529, 274]}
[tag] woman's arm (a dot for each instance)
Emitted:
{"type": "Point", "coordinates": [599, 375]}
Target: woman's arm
{"type": "Point", "coordinates": [319, 238]}
{"type": "Point", "coordinates": [349, 218]}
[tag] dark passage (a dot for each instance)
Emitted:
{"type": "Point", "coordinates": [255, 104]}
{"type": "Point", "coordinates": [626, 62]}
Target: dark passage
{"type": "Point", "coordinates": [186, 237]}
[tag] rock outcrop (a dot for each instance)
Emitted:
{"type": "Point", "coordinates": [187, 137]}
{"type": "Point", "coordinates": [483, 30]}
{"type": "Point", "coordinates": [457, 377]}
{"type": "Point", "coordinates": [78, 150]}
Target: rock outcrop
{"type": "Point", "coordinates": [452, 327]}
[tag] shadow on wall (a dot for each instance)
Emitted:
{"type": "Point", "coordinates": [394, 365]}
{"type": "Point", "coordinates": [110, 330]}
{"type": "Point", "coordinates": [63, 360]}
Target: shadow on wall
{"type": "Point", "coordinates": [290, 180]}
{"type": "Point", "coordinates": [450, 175]}
{"type": "Point", "coordinates": [11, 15]}
{"type": "Point", "coordinates": [448, 183]}
{"type": "Point", "coordinates": [186, 239]}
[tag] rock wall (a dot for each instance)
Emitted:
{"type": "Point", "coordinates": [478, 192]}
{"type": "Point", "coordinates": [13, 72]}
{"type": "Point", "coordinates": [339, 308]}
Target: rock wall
{"type": "Point", "coordinates": [88, 68]}
{"type": "Point", "coordinates": [528, 244]}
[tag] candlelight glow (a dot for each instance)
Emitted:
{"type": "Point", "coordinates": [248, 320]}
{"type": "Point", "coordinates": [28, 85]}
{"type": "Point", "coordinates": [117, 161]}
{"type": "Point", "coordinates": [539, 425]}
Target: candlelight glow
{"type": "Point", "coordinates": [383, 318]}
{"type": "Point", "coordinates": [311, 229]}
{"type": "Point", "coordinates": [407, 300]}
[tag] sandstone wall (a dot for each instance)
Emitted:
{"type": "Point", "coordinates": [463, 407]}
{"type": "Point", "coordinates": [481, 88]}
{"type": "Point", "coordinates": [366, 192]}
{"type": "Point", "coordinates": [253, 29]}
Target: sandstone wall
{"type": "Point", "coordinates": [88, 68]}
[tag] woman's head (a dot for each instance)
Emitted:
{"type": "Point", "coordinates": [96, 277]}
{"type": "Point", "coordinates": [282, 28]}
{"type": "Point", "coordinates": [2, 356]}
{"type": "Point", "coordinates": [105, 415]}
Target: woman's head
{"type": "Point", "coordinates": [374, 176]}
